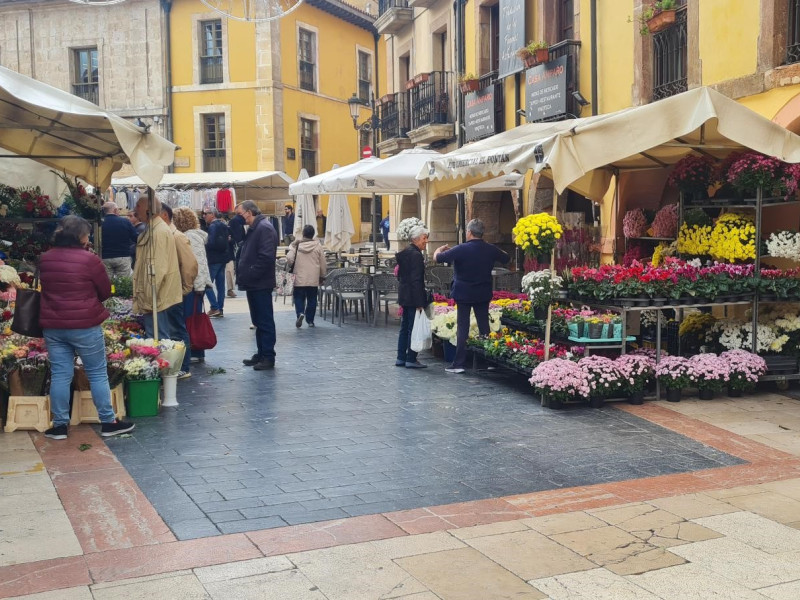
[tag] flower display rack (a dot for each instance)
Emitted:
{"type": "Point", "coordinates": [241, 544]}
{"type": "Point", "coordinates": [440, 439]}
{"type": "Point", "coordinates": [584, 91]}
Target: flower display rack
{"type": "Point", "coordinates": [28, 412]}
{"type": "Point", "coordinates": [84, 410]}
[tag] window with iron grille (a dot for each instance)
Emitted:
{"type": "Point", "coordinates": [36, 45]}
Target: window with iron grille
{"type": "Point", "coordinates": [308, 145]}
{"type": "Point", "coordinates": [307, 58]}
{"type": "Point", "coordinates": [669, 58]}
{"type": "Point", "coordinates": [364, 76]}
{"type": "Point", "coordinates": [85, 75]}
{"type": "Point", "coordinates": [211, 51]}
{"type": "Point", "coordinates": [214, 142]}
{"type": "Point", "coordinates": [793, 40]}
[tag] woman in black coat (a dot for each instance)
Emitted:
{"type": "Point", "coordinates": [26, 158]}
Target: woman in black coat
{"type": "Point", "coordinates": [411, 294]}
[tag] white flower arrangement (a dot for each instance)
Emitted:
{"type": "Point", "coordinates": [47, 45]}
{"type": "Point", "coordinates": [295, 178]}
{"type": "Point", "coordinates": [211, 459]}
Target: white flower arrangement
{"type": "Point", "coordinates": [540, 285]}
{"type": "Point", "coordinates": [139, 368]}
{"type": "Point", "coordinates": [406, 225]}
{"type": "Point", "coordinates": [784, 244]}
{"type": "Point", "coordinates": [736, 335]}
{"type": "Point", "coordinates": [444, 325]}
{"type": "Point", "coordinates": [9, 275]}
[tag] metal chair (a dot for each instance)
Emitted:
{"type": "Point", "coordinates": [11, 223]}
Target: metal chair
{"type": "Point", "coordinates": [350, 287]}
{"type": "Point", "coordinates": [386, 289]}
{"type": "Point", "coordinates": [325, 293]}
{"type": "Point", "coordinates": [439, 279]}
{"type": "Point", "coordinates": [508, 282]}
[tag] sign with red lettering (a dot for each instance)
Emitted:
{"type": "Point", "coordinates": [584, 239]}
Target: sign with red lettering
{"type": "Point", "coordinates": [479, 112]}
{"type": "Point", "coordinates": [546, 90]}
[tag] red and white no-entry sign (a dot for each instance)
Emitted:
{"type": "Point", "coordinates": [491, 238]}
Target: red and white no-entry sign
{"type": "Point", "coordinates": [366, 152]}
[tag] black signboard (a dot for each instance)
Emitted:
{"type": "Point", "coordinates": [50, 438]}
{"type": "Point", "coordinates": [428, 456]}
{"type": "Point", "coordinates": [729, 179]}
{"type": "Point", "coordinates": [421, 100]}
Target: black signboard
{"type": "Point", "coordinates": [546, 90]}
{"type": "Point", "coordinates": [512, 36]}
{"type": "Point", "coordinates": [479, 114]}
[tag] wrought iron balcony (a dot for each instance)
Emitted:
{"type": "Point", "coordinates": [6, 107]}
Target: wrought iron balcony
{"type": "Point", "coordinates": [793, 41]}
{"type": "Point", "coordinates": [431, 100]}
{"type": "Point", "coordinates": [393, 16]}
{"type": "Point", "coordinates": [669, 58]}
{"type": "Point", "coordinates": [87, 91]}
{"type": "Point", "coordinates": [394, 118]}
{"type": "Point", "coordinates": [210, 69]}
{"type": "Point", "coordinates": [214, 160]}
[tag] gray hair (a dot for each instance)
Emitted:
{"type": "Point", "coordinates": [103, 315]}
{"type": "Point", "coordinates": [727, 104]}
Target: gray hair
{"type": "Point", "coordinates": [476, 228]}
{"type": "Point", "coordinates": [110, 208]}
{"type": "Point", "coordinates": [417, 232]}
{"type": "Point", "coordinates": [251, 207]}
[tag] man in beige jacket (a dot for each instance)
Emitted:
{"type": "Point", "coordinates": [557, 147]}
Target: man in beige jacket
{"type": "Point", "coordinates": [308, 260]}
{"type": "Point", "coordinates": [155, 245]}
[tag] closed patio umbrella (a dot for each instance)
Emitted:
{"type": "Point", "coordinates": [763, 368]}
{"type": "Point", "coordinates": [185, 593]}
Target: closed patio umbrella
{"type": "Point", "coordinates": [305, 213]}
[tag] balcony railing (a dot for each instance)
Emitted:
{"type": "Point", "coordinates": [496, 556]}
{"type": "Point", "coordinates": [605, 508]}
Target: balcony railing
{"type": "Point", "coordinates": [431, 100]}
{"type": "Point", "coordinates": [214, 160]}
{"type": "Point", "coordinates": [385, 5]}
{"type": "Point", "coordinates": [571, 49]}
{"type": "Point", "coordinates": [669, 58]}
{"type": "Point", "coordinates": [394, 116]}
{"type": "Point", "coordinates": [210, 69]}
{"type": "Point", "coordinates": [793, 41]}
{"type": "Point", "coordinates": [87, 91]}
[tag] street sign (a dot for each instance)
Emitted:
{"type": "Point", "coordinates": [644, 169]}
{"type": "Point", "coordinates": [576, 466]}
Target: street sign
{"type": "Point", "coordinates": [366, 152]}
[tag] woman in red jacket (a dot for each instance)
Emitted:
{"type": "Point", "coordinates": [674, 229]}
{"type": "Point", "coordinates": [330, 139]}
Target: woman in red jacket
{"type": "Point", "coordinates": [74, 285]}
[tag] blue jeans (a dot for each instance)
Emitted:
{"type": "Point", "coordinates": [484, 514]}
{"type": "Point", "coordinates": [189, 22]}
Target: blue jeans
{"type": "Point", "coordinates": [404, 351]}
{"type": "Point", "coordinates": [163, 324]}
{"type": "Point", "coordinates": [305, 302]}
{"type": "Point", "coordinates": [190, 302]}
{"type": "Point", "coordinates": [260, 304]}
{"type": "Point", "coordinates": [481, 316]}
{"type": "Point", "coordinates": [177, 330]}
{"type": "Point", "coordinates": [62, 346]}
{"type": "Point", "coordinates": [217, 300]}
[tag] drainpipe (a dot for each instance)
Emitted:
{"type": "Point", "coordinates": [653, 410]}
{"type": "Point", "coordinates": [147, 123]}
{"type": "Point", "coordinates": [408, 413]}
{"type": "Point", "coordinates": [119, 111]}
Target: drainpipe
{"type": "Point", "coordinates": [375, 37]}
{"type": "Point", "coordinates": [461, 65]}
{"type": "Point", "coordinates": [166, 5]}
{"type": "Point", "coordinates": [593, 25]}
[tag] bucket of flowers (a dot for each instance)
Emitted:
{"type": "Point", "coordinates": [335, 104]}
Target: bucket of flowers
{"type": "Point", "coordinates": [537, 235]}
{"type": "Point", "coordinates": [143, 373]}
{"type": "Point", "coordinates": [605, 379]}
{"type": "Point", "coordinates": [711, 374]}
{"type": "Point", "coordinates": [558, 381]}
{"type": "Point", "coordinates": [637, 371]}
{"type": "Point", "coordinates": [674, 373]}
{"type": "Point", "coordinates": [744, 371]}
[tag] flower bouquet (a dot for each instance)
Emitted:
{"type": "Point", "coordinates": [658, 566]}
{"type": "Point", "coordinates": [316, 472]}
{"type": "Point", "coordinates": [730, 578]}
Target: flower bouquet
{"type": "Point", "coordinates": [665, 223]}
{"type": "Point", "coordinates": [32, 367]}
{"type": "Point", "coordinates": [561, 380]}
{"type": "Point", "coordinates": [693, 175]}
{"type": "Point", "coordinates": [115, 365]}
{"type": "Point", "coordinates": [78, 200]}
{"type": "Point", "coordinates": [675, 372]}
{"type": "Point", "coordinates": [35, 204]}
{"type": "Point", "coordinates": [781, 244]}
{"type": "Point", "coordinates": [537, 234]}
{"type": "Point", "coordinates": [406, 225]}
{"type": "Point", "coordinates": [744, 370]}
{"type": "Point", "coordinates": [140, 368]}
{"type": "Point", "coordinates": [635, 224]}
{"type": "Point", "coordinates": [172, 352]}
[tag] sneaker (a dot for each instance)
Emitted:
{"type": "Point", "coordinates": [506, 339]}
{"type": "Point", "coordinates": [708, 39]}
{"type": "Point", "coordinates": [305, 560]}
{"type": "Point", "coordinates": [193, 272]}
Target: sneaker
{"type": "Point", "coordinates": [264, 365]}
{"type": "Point", "coordinates": [214, 312]}
{"type": "Point", "coordinates": [415, 365]}
{"type": "Point", "coordinates": [115, 428]}
{"type": "Point", "coordinates": [249, 362]}
{"type": "Point", "coordinates": [218, 315]}
{"type": "Point", "coordinates": [299, 322]}
{"type": "Point", "coordinates": [197, 359]}
{"type": "Point", "coordinates": [231, 294]}
{"type": "Point", "coordinates": [456, 370]}
{"type": "Point", "coordinates": [184, 374]}
{"type": "Point", "coordinates": [311, 325]}
{"type": "Point", "coordinates": [59, 432]}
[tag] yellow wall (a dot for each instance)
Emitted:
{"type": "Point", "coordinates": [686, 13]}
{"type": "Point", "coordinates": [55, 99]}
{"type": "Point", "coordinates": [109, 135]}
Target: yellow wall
{"type": "Point", "coordinates": [615, 43]}
{"type": "Point", "coordinates": [728, 39]}
{"type": "Point", "coordinates": [769, 103]}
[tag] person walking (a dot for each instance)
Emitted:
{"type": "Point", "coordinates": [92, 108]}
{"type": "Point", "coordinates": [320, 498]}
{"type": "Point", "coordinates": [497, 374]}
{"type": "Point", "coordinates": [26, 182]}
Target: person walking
{"type": "Point", "coordinates": [288, 224]}
{"type": "Point", "coordinates": [74, 285]}
{"type": "Point", "coordinates": [217, 251]}
{"type": "Point", "coordinates": [118, 235]}
{"type": "Point", "coordinates": [186, 221]}
{"type": "Point", "coordinates": [472, 284]}
{"type": "Point", "coordinates": [385, 230]}
{"type": "Point", "coordinates": [411, 294]}
{"type": "Point", "coordinates": [308, 259]}
{"type": "Point", "coordinates": [157, 245]}
{"type": "Point", "coordinates": [256, 277]}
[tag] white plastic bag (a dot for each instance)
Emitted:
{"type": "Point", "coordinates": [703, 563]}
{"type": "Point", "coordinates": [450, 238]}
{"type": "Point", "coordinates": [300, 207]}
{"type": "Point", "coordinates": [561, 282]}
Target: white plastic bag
{"type": "Point", "coordinates": [421, 333]}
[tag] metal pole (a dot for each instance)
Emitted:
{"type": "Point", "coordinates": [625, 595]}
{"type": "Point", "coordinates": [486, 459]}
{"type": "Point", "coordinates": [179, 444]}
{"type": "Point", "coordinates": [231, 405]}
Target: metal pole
{"type": "Point", "coordinates": [757, 270]}
{"type": "Point", "coordinates": [151, 262]}
{"type": "Point", "coordinates": [552, 268]}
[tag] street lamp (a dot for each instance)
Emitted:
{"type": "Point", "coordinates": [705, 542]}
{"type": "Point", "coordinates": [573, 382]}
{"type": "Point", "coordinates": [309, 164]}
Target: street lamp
{"type": "Point", "coordinates": [354, 103]}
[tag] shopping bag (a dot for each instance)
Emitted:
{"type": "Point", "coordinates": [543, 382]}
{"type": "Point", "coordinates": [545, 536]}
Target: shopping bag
{"type": "Point", "coordinates": [26, 310]}
{"type": "Point", "coordinates": [201, 331]}
{"type": "Point", "coordinates": [421, 333]}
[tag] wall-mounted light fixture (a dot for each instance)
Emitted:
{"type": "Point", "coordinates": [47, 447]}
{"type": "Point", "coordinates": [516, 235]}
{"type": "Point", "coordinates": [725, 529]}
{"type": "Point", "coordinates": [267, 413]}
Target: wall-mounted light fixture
{"type": "Point", "coordinates": [580, 99]}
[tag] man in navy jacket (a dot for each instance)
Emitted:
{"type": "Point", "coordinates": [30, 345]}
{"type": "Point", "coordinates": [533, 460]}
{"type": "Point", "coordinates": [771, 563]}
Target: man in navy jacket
{"type": "Point", "coordinates": [218, 256]}
{"type": "Point", "coordinates": [472, 284]}
{"type": "Point", "coordinates": [118, 235]}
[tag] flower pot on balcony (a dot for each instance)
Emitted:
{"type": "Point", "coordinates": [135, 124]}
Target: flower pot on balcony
{"type": "Point", "coordinates": [469, 85]}
{"type": "Point", "coordinates": [387, 98]}
{"type": "Point", "coordinates": [542, 55]}
{"type": "Point", "coordinates": [410, 84]}
{"type": "Point", "coordinates": [530, 61]}
{"type": "Point", "coordinates": [421, 78]}
{"type": "Point", "coordinates": [661, 20]}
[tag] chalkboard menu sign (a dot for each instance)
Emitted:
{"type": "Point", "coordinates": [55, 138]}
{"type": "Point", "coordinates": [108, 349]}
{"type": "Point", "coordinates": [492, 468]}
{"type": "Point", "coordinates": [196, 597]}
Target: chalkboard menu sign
{"type": "Point", "coordinates": [546, 90]}
{"type": "Point", "coordinates": [512, 36]}
{"type": "Point", "coordinates": [479, 114]}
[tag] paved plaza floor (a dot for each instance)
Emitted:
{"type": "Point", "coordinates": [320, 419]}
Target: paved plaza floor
{"type": "Point", "coordinates": [338, 475]}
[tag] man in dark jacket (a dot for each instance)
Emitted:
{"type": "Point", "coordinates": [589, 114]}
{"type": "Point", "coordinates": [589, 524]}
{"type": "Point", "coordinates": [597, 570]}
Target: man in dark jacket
{"type": "Point", "coordinates": [410, 294]}
{"type": "Point", "coordinates": [256, 277]}
{"type": "Point", "coordinates": [118, 237]}
{"type": "Point", "coordinates": [472, 284]}
{"type": "Point", "coordinates": [236, 228]}
{"type": "Point", "coordinates": [217, 253]}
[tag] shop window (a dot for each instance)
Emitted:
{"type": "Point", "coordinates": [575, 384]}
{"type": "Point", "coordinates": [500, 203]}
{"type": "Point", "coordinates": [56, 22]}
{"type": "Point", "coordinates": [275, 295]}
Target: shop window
{"type": "Point", "coordinates": [364, 76]}
{"type": "Point", "coordinates": [85, 75]}
{"type": "Point", "coordinates": [214, 143]}
{"type": "Point", "coordinates": [366, 208]}
{"type": "Point", "coordinates": [308, 146]}
{"type": "Point", "coordinates": [793, 41]}
{"type": "Point", "coordinates": [669, 58]}
{"type": "Point", "coordinates": [307, 59]}
{"type": "Point", "coordinates": [211, 51]}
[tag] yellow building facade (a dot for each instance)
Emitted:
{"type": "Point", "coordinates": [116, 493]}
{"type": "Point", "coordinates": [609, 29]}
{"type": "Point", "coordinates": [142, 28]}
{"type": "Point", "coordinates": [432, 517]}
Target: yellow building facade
{"type": "Point", "coordinates": [272, 96]}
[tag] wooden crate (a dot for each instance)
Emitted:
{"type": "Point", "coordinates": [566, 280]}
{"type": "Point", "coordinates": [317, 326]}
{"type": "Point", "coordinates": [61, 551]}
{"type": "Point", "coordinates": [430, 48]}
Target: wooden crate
{"type": "Point", "coordinates": [28, 412]}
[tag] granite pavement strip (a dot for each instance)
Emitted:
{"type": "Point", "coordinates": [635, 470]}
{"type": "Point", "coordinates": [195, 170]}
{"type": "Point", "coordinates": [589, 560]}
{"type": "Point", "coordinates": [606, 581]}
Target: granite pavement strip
{"type": "Point", "coordinates": [723, 523]}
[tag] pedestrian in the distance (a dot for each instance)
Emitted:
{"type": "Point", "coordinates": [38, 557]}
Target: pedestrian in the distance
{"type": "Point", "coordinates": [411, 294]}
{"type": "Point", "coordinates": [308, 259]}
{"type": "Point", "coordinates": [385, 230]}
{"type": "Point", "coordinates": [217, 250]}
{"type": "Point", "coordinates": [472, 262]}
{"type": "Point", "coordinates": [118, 236]}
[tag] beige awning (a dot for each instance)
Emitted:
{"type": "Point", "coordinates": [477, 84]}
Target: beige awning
{"type": "Point", "coordinates": [70, 134]}
{"type": "Point", "coordinates": [253, 179]}
{"type": "Point", "coordinates": [583, 154]}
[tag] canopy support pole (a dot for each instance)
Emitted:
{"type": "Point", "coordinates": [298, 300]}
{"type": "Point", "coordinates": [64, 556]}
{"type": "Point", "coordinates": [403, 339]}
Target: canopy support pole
{"type": "Point", "coordinates": [151, 261]}
{"type": "Point", "coordinates": [552, 270]}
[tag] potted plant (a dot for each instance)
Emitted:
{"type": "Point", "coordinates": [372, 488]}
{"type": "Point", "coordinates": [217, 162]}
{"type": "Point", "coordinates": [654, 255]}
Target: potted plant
{"type": "Point", "coordinates": [752, 170]}
{"type": "Point", "coordinates": [468, 82]}
{"type": "Point", "coordinates": [744, 370]}
{"type": "Point", "coordinates": [605, 379]}
{"type": "Point", "coordinates": [559, 380]}
{"type": "Point", "coordinates": [534, 53]}
{"type": "Point", "coordinates": [658, 16]}
{"type": "Point", "coordinates": [637, 371]}
{"type": "Point", "coordinates": [692, 175]}
{"type": "Point", "coordinates": [537, 234]}
{"type": "Point", "coordinates": [711, 374]}
{"type": "Point", "coordinates": [541, 287]}
{"type": "Point", "coordinates": [674, 373]}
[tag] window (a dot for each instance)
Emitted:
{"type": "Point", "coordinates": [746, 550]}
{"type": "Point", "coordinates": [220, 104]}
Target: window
{"type": "Point", "coordinates": [793, 41]}
{"type": "Point", "coordinates": [214, 143]}
{"type": "Point", "coordinates": [366, 210]}
{"type": "Point", "coordinates": [85, 75]}
{"type": "Point", "coordinates": [211, 51]}
{"type": "Point", "coordinates": [669, 58]}
{"type": "Point", "coordinates": [364, 76]}
{"type": "Point", "coordinates": [308, 146]}
{"type": "Point", "coordinates": [364, 139]}
{"type": "Point", "coordinates": [307, 59]}
{"type": "Point", "coordinates": [566, 20]}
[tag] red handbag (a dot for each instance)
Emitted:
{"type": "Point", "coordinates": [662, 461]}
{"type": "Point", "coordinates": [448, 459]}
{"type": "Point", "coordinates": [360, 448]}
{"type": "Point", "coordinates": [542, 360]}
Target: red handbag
{"type": "Point", "coordinates": [201, 331]}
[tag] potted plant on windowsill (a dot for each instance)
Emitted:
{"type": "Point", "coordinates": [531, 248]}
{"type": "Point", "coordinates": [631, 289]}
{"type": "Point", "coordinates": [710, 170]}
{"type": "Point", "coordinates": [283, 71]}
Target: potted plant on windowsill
{"type": "Point", "coordinates": [534, 53]}
{"type": "Point", "coordinates": [658, 16]}
{"type": "Point", "coordinates": [468, 83]}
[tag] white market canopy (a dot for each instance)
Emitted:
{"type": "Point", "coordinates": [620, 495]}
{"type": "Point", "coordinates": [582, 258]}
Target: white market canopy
{"type": "Point", "coordinates": [255, 179]}
{"type": "Point", "coordinates": [394, 175]}
{"type": "Point", "coordinates": [318, 184]}
{"type": "Point", "coordinates": [73, 135]}
{"type": "Point", "coordinates": [583, 154]}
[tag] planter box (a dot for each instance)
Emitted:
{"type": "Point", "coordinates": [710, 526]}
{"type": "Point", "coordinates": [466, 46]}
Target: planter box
{"type": "Point", "coordinates": [661, 21]}
{"type": "Point", "coordinates": [471, 85]}
{"type": "Point", "coordinates": [28, 412]}
{"type": "Point", "coordinates": [84, 410]}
